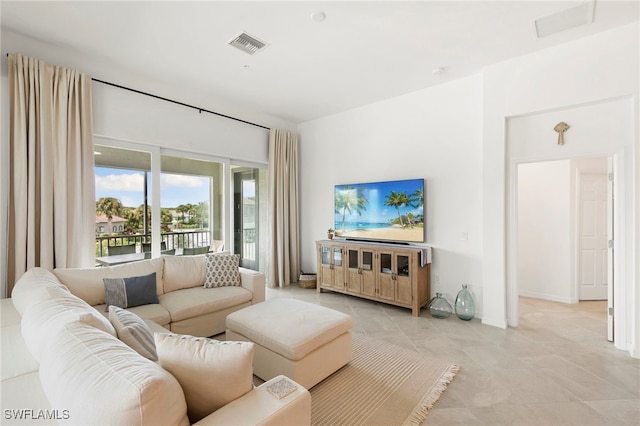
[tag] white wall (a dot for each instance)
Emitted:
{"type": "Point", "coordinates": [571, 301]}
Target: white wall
{"type": "Point", "coordinates": [545, 221]}
{"type": "Point", "coordinates": [589, 71]}
{"type": "Point", "coordinates": [129, 116]}
{"type": "Point", "coordinates": [433, 134]}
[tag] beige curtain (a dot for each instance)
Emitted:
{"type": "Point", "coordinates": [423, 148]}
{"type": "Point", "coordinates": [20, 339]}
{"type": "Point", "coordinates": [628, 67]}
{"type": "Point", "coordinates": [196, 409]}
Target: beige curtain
{"type": "Point", "coordinates": [283, 204]}
{"type": "Point", "coordinates": [52, 193]}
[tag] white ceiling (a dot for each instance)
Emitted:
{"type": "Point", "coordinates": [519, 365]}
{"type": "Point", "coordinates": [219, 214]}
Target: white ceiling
{"type": "Point", "coordinates": [362, 53]}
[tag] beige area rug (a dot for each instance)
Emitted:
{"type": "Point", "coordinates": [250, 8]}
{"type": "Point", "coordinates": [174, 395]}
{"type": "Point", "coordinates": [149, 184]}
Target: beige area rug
{"type": "Point", "coordinates": [384, 384]}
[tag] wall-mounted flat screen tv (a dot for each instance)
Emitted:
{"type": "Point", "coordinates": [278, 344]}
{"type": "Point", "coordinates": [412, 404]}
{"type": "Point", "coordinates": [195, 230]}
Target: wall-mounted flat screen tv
{"type": "Point", "coordinates": [381, 211]}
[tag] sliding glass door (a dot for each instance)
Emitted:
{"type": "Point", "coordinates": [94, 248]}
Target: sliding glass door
{"type": "Point", "coordinates": [173, 202]}
{"type": "Point", "coordinates": [123, 207]}
{"type": "Point", "coordinates": [190, 194]}
{"type": "Point", "coordinates": [245, 216]}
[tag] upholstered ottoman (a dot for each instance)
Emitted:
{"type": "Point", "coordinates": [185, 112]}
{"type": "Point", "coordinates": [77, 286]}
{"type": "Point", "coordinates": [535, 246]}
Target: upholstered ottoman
{"type": "Point", "coordinates": [303, 341]}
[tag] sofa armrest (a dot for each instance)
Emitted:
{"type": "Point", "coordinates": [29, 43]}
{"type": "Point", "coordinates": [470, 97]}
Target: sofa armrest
{"type": "Point", "coordinates": [260, 407]}
{"type": "Point", "coordinates": [253, 281]}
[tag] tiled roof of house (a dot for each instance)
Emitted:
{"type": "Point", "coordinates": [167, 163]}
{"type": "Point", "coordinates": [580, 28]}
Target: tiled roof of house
{"type": "Point", "coordinates": [100, 218]}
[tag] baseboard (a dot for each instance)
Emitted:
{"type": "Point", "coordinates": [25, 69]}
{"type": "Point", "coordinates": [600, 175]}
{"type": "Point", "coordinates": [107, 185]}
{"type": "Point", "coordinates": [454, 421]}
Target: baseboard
{"type": "Point", "coordinates": [495, 323]}
{"type": "Point", "coordinates": [544, 296]}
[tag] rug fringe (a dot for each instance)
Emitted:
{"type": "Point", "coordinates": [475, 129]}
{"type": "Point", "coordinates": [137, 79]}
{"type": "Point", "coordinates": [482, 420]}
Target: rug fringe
{"type": "Point", "coordinates": [421, 411]}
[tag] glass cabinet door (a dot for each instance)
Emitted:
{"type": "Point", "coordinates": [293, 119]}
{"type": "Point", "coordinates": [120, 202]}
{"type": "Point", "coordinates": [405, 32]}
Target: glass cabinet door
{"type": "Point", "coordinates": [403, 265]}
{"type": "Point", "coordinates": [386, 287]}
{"type": "Point", "coordinates": [326, 255]}
{"type": "Point", "coordinates": [367, 273]}
{"type": "Point", "coordinates": [337, 257]}
{"type": "Point", "coordinates": [353, 259]}
{"type": "Point", "coordinates": [353, 270]}
{"type": "Point", "coordinates": [367, 260]}
{"type": "Point", "coordinates": [385, 263]}
{"type": "Point", "coordinates": [403, 280]}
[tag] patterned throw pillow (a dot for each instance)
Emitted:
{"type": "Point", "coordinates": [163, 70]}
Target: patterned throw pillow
{"type": "Point", "coordinates": [222, 270]}
{"type": "Point", "coordinates": [133, 331]}
{"type": "Point", "coordinates": [130, 292]}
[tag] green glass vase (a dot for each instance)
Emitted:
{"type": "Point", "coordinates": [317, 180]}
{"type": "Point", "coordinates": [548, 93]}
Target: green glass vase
{"type": "Point", "coordinates": [465, 306]}
{"type": "Point", "coordinates": [439, 307]}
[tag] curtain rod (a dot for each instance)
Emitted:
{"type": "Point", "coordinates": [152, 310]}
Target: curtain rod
{"type": "Point", "coordinates": [201, 110]}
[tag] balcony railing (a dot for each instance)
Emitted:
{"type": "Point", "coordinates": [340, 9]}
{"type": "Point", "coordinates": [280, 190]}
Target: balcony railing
{"type": "Point", "coordinates": [172, 240]}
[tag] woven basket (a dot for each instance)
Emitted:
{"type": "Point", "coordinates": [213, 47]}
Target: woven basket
{"type": "Point", "coordinates": [307, 280]}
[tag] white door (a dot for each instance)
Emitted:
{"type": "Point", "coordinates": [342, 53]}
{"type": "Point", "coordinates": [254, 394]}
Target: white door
{"type": "Point", "coordinates": [593, 252]}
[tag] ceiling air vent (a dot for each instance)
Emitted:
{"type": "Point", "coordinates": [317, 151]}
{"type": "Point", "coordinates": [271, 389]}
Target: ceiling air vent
{"type": "Point", "coordinates": [564, 20]}
{"type": "Point", "coordinates": [248, 44]}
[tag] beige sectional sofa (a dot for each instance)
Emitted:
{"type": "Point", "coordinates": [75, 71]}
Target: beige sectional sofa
{"type": "Point", "coordinates": [62, 363]}
{"type": "Point", "coordinates": [185, 307]}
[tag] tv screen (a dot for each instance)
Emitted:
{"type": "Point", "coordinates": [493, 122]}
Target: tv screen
{"type": "Point", "coordinates": [381, 211]}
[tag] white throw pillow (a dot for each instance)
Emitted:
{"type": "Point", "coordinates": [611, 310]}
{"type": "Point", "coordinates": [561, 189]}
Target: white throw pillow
{"type": "Point", "coordinates": [222, 270]}
{"type": "Point", "coordinates": [212, 373]}
{"type": "Point", "coordinates": [133, 331]}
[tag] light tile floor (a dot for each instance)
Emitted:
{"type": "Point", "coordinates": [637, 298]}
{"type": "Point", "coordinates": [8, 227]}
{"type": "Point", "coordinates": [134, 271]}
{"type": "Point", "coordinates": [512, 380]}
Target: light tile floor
{"type": "Point", "coordinates": [556, 368]}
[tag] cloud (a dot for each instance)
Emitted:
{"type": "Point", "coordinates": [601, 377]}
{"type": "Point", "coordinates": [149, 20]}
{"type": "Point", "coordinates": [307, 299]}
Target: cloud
{"type": "Point", "coordinates": [131, 201]}
{"type": "Point", "coordinates": [180, 181]}
{"type": "Point", "coordinates": [122, 182]}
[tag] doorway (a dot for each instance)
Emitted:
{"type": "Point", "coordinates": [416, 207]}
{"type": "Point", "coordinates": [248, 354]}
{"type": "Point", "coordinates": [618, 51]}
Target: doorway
{"type": "Point", "coordinates": [564, 226]}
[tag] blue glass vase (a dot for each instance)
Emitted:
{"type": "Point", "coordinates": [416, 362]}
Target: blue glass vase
{"type": "Point", "coordinates": [465, 306]}
{"type": "Point", "coordinates": [439, 307]}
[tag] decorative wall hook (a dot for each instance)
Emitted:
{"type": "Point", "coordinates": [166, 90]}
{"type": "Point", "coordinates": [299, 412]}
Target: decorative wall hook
{"type": "Point", "coordinates": [561, 127]}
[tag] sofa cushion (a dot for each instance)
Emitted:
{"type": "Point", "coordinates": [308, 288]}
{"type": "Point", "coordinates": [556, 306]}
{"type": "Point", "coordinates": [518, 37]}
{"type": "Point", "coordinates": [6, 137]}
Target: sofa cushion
{"type": "Point", "coordinates": [130, 291]}
{"type": "Point", "coordinates": [87, 283]}
{"type": "Point", "coordinates": [100, 380]}
{"type": "Point", "coordinates": [32, 286]}
{"type": "Point", "coordinates": [222, 270]}
{"type": "Point", "coordinates": [23, 393]}
{"type": "Point", "coordinates": [183, 272]}
{"type": "Point", "coordinates": [133, 331]}
{"type": "Point", "coordinates": [212, 373]}
{"type": "Point", "coordinates": [193, 302]}
{"type": "Point", "coordinates": [9, 315]}
{"type": "Point", "coordinates": [15, 357]}
{"type": "Point", "coordinates": [42, 320]}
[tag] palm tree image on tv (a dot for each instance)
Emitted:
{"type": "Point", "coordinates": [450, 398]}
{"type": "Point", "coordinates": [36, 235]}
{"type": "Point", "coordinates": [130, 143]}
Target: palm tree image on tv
{"type": "Point", "coordinates": [381, 210]}
{"type": "Point", "coordinates": [413, 201]}
{"type": "Point", "coordinates": [350, 200]}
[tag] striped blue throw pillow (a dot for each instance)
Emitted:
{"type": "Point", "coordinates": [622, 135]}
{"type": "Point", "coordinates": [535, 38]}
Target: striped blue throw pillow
{"type": "Point", "coordinates": [133, 332]}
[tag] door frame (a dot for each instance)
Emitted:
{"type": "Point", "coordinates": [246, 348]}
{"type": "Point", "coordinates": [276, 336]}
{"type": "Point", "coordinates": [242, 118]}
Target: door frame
{"type": "Point", "coordinates": [620, 289]}
{"type": "Point", "coordinates": [610, 176]}
{"type": "Point", "coordinates": [611, 226]}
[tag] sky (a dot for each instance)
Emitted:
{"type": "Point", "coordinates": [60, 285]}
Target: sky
{"type": "Point", "coordinates": [128, 187]}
